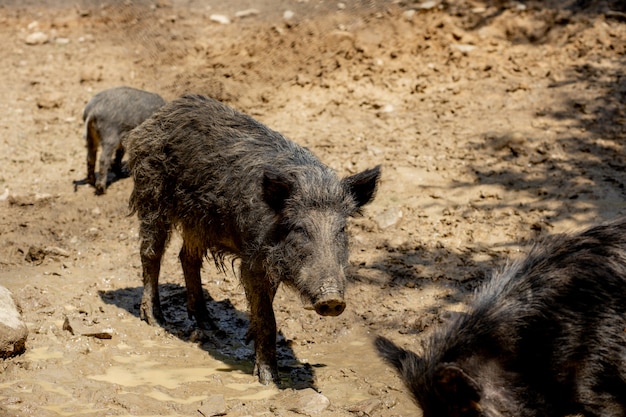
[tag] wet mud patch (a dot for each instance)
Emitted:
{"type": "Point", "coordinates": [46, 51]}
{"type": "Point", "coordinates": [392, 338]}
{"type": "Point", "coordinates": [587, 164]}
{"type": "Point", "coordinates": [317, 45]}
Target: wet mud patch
{"type": "Point", "coordinates": [226, 342]}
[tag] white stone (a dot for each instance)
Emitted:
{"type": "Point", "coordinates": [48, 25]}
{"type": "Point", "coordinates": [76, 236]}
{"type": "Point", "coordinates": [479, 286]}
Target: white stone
{"type": "Point", "coordinates": [220, 18]}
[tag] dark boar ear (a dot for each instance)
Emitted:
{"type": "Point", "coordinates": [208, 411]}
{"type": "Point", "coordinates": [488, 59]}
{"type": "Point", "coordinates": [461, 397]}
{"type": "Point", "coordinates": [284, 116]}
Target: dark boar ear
{"type": "Point", "coordinates": [362, 186]}
{"type": "Point", "coordinates": [276, 189]}
{"type": "Point", "coordinates": [407, 363]}
{"type": "Point", "coordinates": [458, 388]}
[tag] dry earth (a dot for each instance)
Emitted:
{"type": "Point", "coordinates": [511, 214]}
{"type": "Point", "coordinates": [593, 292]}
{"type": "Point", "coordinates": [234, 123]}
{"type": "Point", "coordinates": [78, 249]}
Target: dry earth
{"type": "Point", "coordinates": [496, 123]}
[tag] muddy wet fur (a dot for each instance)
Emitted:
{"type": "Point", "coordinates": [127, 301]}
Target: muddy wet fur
{"type": "Point", "coordinates": [234, 187]}
{"type": "Point", "coordinates": [544, 337]}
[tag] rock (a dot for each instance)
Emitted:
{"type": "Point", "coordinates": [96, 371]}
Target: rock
{"type": "Point", "coordinates": [215, 405]}
{"type": "Point", "coordinates": [13, 331]}
{"type": "Point", "coordinates": [464, 48]}
{"type": "Point", "coordinates": [56, 251]}
{"type": "Point", "coordinates": [389, 217]}
{"type": "Point", "coordinates": [247, 13]}
{"type": "Point", "coordinates": [37, 38]}
{"type": "Point", "coordinates": [409, 14]}
{"type": "Point", "coordinates": [427, 5]}
{"type": "Point", "coordinates": [366, 407]}
{"type": "Point", "coordinates": [78, 328]}
{"type": "Point", "coordinates": [288, 15]}
{"type": "Point", "coordinates": [220, 18]}
{"type": "Point", "coordinates": [307, 401]}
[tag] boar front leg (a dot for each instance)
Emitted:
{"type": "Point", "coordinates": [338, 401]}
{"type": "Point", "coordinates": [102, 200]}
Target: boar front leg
{"type": "Point", "coordinates": [260, 294]}
{"type": "Point", "coordinates": [191, 261]}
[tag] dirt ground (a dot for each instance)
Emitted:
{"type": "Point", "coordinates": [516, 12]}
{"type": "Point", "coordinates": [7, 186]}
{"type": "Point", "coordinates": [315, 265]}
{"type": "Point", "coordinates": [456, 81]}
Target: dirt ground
{"type": "Point", "coordinates": [495, 122]}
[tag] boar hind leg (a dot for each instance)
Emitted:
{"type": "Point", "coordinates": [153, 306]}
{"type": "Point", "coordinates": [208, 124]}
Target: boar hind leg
{"type": "Point", "coordinates": [106, 155]}
{"type": "Point", "coordinates": [191, 261]}
{"type": "Point", "coordinates": [262, 329]}
{"type": "Point", "coordinates": [92, 139]}
{"type": "Point", "coordinates": [153, 240]}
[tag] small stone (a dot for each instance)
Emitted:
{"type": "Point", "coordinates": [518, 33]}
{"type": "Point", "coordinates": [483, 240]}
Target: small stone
{"type": "Point", "coordinates": [37, 38]}
{"type": "Point", "coordinates": [56, 251]}
{"type": "Point", "coordinates": [366, 407]}
{"type": "Point", "coordinates": [215, 405]}
{"type": "Point", "coordinates": [247, 13]}
{"type": "Point", "coordinates": [288, 15]}
{"type": "Point", "coordinates": [463, 47]}
{"type": "Point", "coordinates": [307, 401]}
{"type": "Point", "coordinates": [388, 218]}
{"type": "Point", "coordinates": [427, 5]}
{"type": "Point", "coordinates": [220, 18]}
{"type": "Point", "coordinates": [408, 14]}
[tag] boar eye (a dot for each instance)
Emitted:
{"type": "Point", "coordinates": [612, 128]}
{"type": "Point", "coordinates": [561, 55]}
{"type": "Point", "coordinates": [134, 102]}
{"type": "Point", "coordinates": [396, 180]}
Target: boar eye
{"type": "Point", "coordinates": [300, 231]}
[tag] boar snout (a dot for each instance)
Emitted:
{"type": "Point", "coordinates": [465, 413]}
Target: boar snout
{"type": "Point", "coordinates": [332, 305]}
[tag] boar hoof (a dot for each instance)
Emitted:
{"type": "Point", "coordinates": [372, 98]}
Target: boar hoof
{"type": "Point", "coordinates": [266, 374]}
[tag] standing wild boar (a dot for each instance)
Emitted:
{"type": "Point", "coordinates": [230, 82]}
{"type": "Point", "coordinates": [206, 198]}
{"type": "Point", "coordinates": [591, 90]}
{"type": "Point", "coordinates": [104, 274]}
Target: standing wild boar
{"type": "Point", "coordinates": [544, 337]}
{"type": "Point", "coordinates": [108, 117]}
{"type": "Point", "coordinates": [233, 187]}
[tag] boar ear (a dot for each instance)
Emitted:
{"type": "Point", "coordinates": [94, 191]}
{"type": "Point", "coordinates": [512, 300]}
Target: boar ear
{"type": "Point", "coordinates": [407, 363]}
{"type": "Point", "coordinates": [362, 186]}
{"type": "Point", "coordinates": [458, 387]}
{"type": "Point", "coordinates": [276, 189]}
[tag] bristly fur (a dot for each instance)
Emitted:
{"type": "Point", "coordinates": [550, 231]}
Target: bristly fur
{"type": "Point", "coordinates": [543, 337]}
{"type": "Point", "coordinates": [236, 189]}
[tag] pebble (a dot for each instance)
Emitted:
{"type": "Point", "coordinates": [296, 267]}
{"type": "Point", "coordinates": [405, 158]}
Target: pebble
{"type": "Point", "coordinates": [463, 47]}
{"type": "Point", "coordinates": [388, 218]}
{"type": "Point", "coordinates": [366, 407]}
{"type": "Point", "coordinates": [220, 18]}
{"type": "Point", "coordinates": [307, 401]}
{"type": "Point", "coordinates": [37, 38]}
{"type": "Point", "coordinates": [408, 14]}
{"type": "Point", "coordinates": [214, 405]}
{"type": "Point", "coordinates": [247, 13]}
{"type": "Point", "coordinates": [427, 5]}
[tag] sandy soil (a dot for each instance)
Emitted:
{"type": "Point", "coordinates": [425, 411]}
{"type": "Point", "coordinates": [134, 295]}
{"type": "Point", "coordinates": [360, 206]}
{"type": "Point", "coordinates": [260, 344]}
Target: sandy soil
{"type": "Point", "coordinates": [495, 122]}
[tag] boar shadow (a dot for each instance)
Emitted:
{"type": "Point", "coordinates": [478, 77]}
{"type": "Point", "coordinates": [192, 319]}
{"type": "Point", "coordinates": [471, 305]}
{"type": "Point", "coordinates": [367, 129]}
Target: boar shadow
{"type": "Point", "coordinates": [227, 342]}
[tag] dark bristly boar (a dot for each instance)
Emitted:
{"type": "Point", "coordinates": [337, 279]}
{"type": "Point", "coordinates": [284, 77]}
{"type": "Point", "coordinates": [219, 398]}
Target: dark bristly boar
{"type": "Point", "coordinates": [544, 337]}
{"type": "Point", "coordinates": [233, 187]}
{"type": "Point", "coordinates": [108, 117]}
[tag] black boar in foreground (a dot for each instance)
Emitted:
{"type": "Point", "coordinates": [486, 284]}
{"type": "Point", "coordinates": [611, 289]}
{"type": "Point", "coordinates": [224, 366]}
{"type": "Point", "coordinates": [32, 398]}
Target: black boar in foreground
{"type": "Point", "coordinates": [544, 337]}
{"type": "Point", "coordinates": [234, 187]}
{"type": "Point", "coordinates": [108, 117]}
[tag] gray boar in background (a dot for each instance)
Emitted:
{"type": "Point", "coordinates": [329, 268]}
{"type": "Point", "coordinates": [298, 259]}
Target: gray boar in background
{"type": "Point", "coordinates": [233, 187]}
{"type": "Point", "coordinates": [108, 117]}
{"type": "Point", "coordinates": [544, 337]}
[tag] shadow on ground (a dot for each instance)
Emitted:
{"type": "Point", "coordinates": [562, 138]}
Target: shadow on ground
{"type": "Point", "coordinates": [227, 343]}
